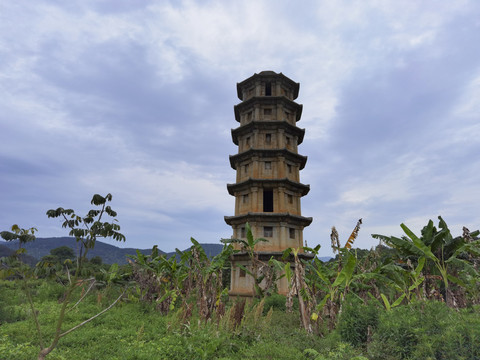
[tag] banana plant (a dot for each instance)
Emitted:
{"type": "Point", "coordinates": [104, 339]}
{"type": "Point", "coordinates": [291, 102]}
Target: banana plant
{"type": "Point", "coordinates": [298, 284]}
{"type": "Point", "coordinates": [176, 280]}
{"type": "Point", "coordinates": [207, 275]}
{"type": "Point", "coordinates": [160, 279]}
{"type": "Point", "coordinates": [405, 281]}
{"type": "Point", "coordinates": [438, 247]}
{"type": "Point", "coordinates": [336, 290]}
{"type": "Point", "coordinates": [248, 245]}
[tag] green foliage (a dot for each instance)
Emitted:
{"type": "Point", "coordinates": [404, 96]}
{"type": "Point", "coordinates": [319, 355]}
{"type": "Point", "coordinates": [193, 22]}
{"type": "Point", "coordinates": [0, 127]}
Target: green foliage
{"type": "Point", "coordinates": [22, 235]}
{"type": "Point", "coordinates": [179, 307]}
{"type": "Point", "coordinates": [12, 351]}
{"type": "Point", "coordinates": [182, 281]}
{"type": "Point", "coordinates": [11, 301]}
{"type": "Point", "coordinates": [90, 227]}
{"type": "Point", "coordinates": [13, 266]}
{"type": "Point", "coordinates": [358, 321]}
{"type": "Point", "coordinates": [12, 313]}
{"type": "Point", "coordinates": [249, 244]}
{"type": "Point", "coordinates": [342, 351]}
{"type": "Point", "coordinates": [86, 230]}
{"type": "Point", "coordinates": [256, 265]}
{"type": "Point", "coordinates": [275, 301]}
{"type": "Point", "coordinates": [442, 251]}
{"type": "Point", "coordinates": [96, 260]}
{"type": "Point", "coordinates": [63, 253]}
{"type": "Point", "coordinates": [135, 331]}
{"type": "Point", "coordinates": [427, 330]}
{"type": "Point", "coordinates": [49, 291]}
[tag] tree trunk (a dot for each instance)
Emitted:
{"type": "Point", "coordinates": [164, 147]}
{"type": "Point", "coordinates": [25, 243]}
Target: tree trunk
{"type": "Point", "coordinates": [304, 313]}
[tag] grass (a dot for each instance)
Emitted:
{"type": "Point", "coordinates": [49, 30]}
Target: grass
{"type": "Point", "coordinates": [133, 330]}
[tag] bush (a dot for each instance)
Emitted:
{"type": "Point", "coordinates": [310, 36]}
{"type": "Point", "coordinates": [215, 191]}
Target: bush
{"type": "Point", "coordinates": [276, 301]}
{"type": "Point", "coordinates": [358, 321]}
{"type": "Point", "coordinates": [11, 351]}
{"type": "Point", "coordinates": [458, 339]}
{"type": "Point", "coordinates": [427, 330]}
{"type": "Point", "coordinates": [49, 290]}
{"type": "Point", "coordinates": [11, 313]}
{"type": "Point", "coordinates": [342, 351]}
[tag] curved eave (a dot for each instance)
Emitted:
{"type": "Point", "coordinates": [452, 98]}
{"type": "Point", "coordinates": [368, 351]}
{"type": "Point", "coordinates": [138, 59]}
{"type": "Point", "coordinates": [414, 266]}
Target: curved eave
{"type": "Point", "coordinates": [268, 125]}
{"type": "Point", "coordinates": [268, 100]}
{"type": "Point", "coordinates": [267, 153]}
{"type": "Point", "coordinates": [268, 75]}
{"type": "Point", "coordinates": [289, 184]}
{"type": "Point", "coordinates": [267, 255]}
{"type": "Point", "coordinates": [268, 217]}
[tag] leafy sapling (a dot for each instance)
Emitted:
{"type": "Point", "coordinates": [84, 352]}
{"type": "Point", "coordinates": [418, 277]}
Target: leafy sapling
{"type": "Point", "coordinates": [86, 230]}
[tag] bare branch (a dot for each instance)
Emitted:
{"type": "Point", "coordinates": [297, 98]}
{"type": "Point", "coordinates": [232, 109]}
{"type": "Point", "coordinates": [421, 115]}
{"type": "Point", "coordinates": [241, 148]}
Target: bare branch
{"type": "Point", "coordinates": [68, 275]}
{"type": "Point", "coordinates": [89, 288]}
{"type": "Point", "coordinates": [93, 317]}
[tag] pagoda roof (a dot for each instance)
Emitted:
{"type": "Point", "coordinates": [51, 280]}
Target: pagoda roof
{"type": "Point", "coordinates": [251, 182]}
{"type": "Point", "coordinates": [267, 153]}
{"type": "Point", "coordinates": [260, 217]}
{"type": "Point", "coordinates": [268, 75]}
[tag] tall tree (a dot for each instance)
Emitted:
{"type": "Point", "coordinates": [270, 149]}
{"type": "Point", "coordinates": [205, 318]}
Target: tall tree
{"type": "Point", "coordinates": [63, 253]}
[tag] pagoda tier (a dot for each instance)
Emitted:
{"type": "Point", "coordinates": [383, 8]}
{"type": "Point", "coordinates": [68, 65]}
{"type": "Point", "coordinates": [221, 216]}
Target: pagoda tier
{"type": "Point", "coordinates": [257, 85]}
{"type": "Point", "coordinates": [281, 108]}
{"type": "Point", "coordinates": [259, 155]}
{"type": "Point", "coordinates": [267, 127]}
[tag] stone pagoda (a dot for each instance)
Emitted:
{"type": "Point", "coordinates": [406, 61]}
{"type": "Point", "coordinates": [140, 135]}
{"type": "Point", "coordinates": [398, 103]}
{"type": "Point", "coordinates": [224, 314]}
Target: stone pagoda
{"type": "Point", "coordinates": [267, 189]}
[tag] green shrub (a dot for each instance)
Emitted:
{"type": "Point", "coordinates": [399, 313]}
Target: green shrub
{"type": "Point", "coordinates": [12, 313]}
{"type": "Point", "coordinates": [397, 334]}
{"type": "Point", "coordinates": [460, 338]}
{"type": "Point", "coordinates": [357, 321]}
{"type": "Point", "coordinates": [49, 290]}
{"type": "Point", "coordinates": [276, 301]}
{"type": "Point", "coordinates": [427, 330]}
{"type": "Point", "coordinates": [270, 350]}
{"type": "Point", "coordinates": [11, 351]}
{"type": "Point", "coordinates": [342, 351]}
{"type": "Point", "coordinates": [10, 310]}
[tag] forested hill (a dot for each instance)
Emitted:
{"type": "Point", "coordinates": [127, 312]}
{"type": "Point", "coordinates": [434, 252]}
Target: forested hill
{"type": "Point", "coordinates": [7, 251]}
{"type": "Point", "coordinates": [109, 253]}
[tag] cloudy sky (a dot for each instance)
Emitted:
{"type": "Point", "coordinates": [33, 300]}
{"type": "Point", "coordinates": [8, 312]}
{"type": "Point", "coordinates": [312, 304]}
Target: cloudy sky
{"type": "Point", "coordinates": [136, 98]}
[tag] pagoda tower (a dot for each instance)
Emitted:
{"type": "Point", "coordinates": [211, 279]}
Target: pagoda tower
{"type": "Point", "coordinates": [267, 189]}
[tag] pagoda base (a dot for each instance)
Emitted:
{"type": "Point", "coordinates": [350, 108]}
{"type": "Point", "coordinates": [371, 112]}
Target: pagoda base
{"type": "Point", "coordinates": [243, 285]}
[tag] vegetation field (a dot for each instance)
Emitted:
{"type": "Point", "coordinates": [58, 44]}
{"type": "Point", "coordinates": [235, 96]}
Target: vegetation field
{"type": "Point", "coordinates": [412, 297]}
{"type": "Point", "coordinates": [133, 330]}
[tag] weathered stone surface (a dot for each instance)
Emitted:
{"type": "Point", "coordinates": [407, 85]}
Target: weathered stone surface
{"type": "Point", "coordinates": [267, 189]}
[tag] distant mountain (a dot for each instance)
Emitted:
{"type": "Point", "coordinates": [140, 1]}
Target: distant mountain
{"type": "Point", "coordinates": [27, 259]}
{"type": "Point", "coordinates": [210, 249]}
{"type": "Point", "coordinates": [109, 253]}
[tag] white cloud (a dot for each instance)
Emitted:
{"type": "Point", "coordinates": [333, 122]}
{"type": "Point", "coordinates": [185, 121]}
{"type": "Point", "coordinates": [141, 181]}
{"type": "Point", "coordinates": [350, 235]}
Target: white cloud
{"type": "Point", "coordinates": [167, 187]}
{"type": "Point", "coordinates": [133, 101]}
{"type": "Point", "coordinates": [468, 105]}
